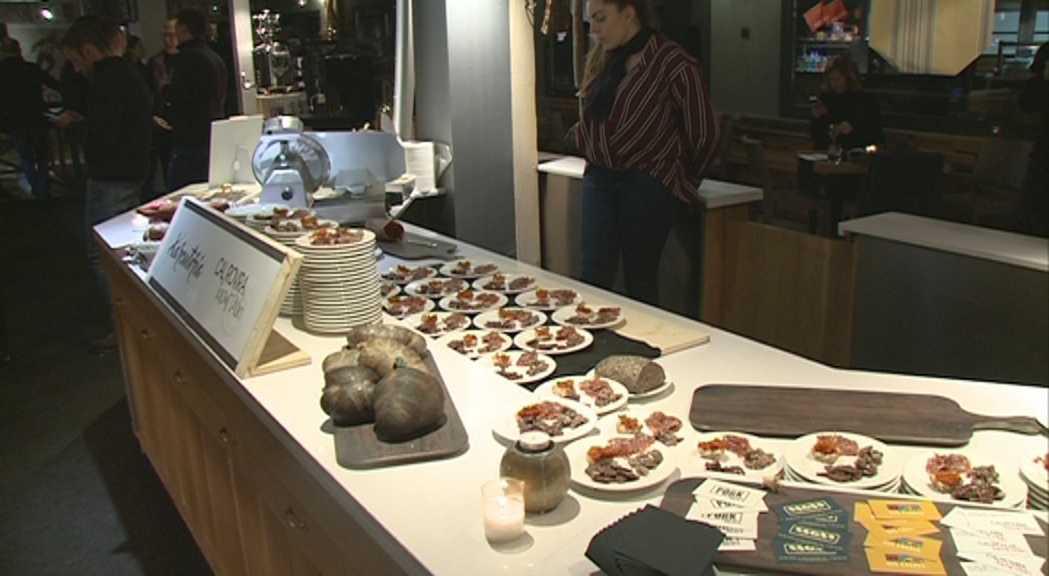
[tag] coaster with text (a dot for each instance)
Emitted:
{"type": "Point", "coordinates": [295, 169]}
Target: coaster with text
{"type": "Point", "coordinates": [898, 562]}
{"type": "Point", "coordinates": [788, 550]}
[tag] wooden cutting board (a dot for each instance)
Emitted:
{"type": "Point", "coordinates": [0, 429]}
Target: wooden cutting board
{"type": "Point", "coordinates": [415, 247]}
{"type": "Point", "coordinates": [668, 336]}
{"type": "Point", "coordinates": [889, 417]}
{"type": "Point", "coordinates": [357, 447]}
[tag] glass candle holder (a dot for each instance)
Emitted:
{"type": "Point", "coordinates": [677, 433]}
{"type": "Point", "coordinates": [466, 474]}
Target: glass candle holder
{"type": "Point", "coordinates": [503, 508]}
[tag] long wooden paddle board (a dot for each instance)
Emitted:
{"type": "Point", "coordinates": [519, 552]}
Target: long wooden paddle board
{"type": "Point", "coordinates": [890, 417]}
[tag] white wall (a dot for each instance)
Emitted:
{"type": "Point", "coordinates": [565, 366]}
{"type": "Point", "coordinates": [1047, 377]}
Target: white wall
{"type": "Point", "coordinates": [29, 34]}
{"type": "Point", "coordinates": [150, 26]}
{"type": "Point", "coordinates": [744, 75]}
{"type": "Point", "coordinates": [463, 96]}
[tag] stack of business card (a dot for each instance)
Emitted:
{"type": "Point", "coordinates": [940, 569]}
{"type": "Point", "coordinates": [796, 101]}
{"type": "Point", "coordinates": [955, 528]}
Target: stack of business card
{"type": "Point", "coordinates": [814, 530]}
{"type": "Point", "coordinates": [732, 509]}
{"type": "Point", "coordinates": [994, 541]}
{"type": "Point", "coordinates": [655, 541]}
{"type": "Point", "coordinates": [900, 536]}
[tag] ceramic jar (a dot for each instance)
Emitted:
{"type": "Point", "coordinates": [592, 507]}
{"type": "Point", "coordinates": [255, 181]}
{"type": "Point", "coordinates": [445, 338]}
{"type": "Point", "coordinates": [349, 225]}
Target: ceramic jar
{"type": "Point", "coordinates": [543, 467]}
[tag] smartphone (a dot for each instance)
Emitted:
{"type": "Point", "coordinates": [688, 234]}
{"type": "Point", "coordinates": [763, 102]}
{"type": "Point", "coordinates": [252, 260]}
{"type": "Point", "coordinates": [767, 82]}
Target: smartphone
{"type": "Point", "coordinates": [813, 99]}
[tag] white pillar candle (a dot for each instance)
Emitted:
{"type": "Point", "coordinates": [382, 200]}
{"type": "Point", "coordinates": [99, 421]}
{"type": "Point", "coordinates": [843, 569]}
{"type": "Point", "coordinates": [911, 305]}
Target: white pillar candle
{"type": "Point", "coordinates": [503, 509]}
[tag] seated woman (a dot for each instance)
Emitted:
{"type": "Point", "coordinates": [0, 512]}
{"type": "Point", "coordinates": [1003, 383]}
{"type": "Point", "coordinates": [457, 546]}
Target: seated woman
{"type": "Point", "coordinates": [850, 116]}
{"type": "Point", "coordinates": [842, 104]}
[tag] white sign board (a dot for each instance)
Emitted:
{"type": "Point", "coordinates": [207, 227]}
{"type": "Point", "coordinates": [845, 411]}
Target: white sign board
{"type": "Point", "coordinates": [224, 280]}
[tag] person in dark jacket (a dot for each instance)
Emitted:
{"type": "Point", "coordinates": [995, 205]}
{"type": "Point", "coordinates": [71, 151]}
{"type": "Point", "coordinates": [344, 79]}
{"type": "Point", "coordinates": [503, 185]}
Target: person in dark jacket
{"type": "Point", "coordinates": [22, 114]}
{"type": "Point", "coordinates": [1032, 208]}
{"type": "Point", "coordinates": [75, 87]}
{"type": "Point", "coordinates": [849, 116]}
{"type": "Point", "coordinates": [196, 96]}
{"type": "Point", "coordinates": [118, 126]}
{"type": "Point", "coordinates": [161, 65]}
{"type": "Point", "coordinates": [852, 112]}
{"type": "Point", "coordinates": [136, 54]}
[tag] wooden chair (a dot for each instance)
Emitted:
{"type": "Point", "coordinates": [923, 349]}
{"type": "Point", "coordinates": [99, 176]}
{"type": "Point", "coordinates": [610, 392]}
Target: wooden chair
{"type": "Point", "coordinates": [780, 202]}
{"type": "Point", "coordinates": [904, 180]}
{"type": "Point", "coordinates": [998, 174]}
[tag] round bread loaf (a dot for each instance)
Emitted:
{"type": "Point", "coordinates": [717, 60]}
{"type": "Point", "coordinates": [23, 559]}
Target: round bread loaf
{"type": "Point", "coordinates": [385, 355]}
{"type": "Point", "coordinates": [401, 334]}
{"type": "Point", "coordinates": [408, 403]}
{"type": "Point", "coordinates": [348, 395]}
{"type": "Point", "coordinates": [344, 357]}
{"type": "Point", "coordinates": [637, 373]}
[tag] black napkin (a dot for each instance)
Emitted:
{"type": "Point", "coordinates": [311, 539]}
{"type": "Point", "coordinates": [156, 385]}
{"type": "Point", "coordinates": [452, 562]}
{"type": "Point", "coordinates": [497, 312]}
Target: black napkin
{"type": "Point", "coordinates": [653, 541]}
{"type": "Point", "coordinates": [606, 343]}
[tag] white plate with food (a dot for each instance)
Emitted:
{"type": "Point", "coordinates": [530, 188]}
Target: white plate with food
{"type": "Point", "coordinates": [548, 299]}
{"type": "Point", "coordinates": [554, 339]}
{"type": "Point", "coordinates": [602, 394]}
{"type": "Point", "coordinates": [388, 289]}
{"type": "Point", "coordinates": [589, 316]}
{"type": "Point", "coordinates": [436, 287]}
{"type": "Point", "coordinates": [476, 343]}
{"type": "Point", "coordinates": [473, 301]}
{"type": "Point", "coordinates": [733, 454]}
{"type": "Point", "coordinates": [245, 210]}
{"type": "Point", "coordinates": [520, 367]}
{"type": "Point", "coordinates": [657, 391]}
{"type": "Point", "coordinates": [956, 474]}
{"type": "Point", "coordinates": [435, 324]}
{"type": "Point", "coordinates": [469, 269]}
{"type": "Point", "coordinates": [843, 459]}
{"type": "Point", "coordinates": [620, 463]}
{"type": "Point", "coordinates": [1035, 471]}
{"type": "Point", "coordinates": [509, 319]}
{"type": "Point", "coordinates": [505, 283]}
{"type": "Point", "coordinates": [562, 419]}
{"type": "Point", "coordinates": [402, 274]}
{"type": "Point", "coordinates": [405, 305]}
{"type": "Point", "coordinates": [667, 429]}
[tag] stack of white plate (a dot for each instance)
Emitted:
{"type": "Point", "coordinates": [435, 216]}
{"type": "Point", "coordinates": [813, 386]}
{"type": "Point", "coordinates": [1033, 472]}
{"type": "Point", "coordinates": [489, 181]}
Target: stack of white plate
{"type": "Point", "coordinates": [243, 212]}
{"type": "Point", "coordinates": [916, 478]}
{"type": "Point", "coordinates": [1035, 474]}
{"type": "Point", "coordinates": [259, 221]}
{"type": "Point", "coordinates": [339, 284]}
{"type": "Point", "coordinates": [292, 305]}
{"type": "Point", "coordinates": [801, 466]}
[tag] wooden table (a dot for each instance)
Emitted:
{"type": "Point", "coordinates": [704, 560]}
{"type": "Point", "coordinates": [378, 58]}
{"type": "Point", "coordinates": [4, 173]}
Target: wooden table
{"type": "Point", "coordinates": [826, 170]}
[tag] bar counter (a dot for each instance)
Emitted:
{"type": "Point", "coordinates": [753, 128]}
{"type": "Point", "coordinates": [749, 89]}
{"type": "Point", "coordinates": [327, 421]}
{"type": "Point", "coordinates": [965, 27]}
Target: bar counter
{"type": "Point", "coordinates": [255, 473]}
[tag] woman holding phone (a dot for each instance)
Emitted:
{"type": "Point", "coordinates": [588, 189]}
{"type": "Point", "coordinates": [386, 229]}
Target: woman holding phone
{"type": "Point", "coordinates": [853, 114]}
{"type": "Point", "coordinates": [648, 132]}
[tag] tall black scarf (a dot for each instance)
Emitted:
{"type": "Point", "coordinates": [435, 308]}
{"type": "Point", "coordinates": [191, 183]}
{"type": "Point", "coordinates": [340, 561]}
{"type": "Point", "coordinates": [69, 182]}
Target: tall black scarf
{"type": "Point", "coordinates": [602, 93]}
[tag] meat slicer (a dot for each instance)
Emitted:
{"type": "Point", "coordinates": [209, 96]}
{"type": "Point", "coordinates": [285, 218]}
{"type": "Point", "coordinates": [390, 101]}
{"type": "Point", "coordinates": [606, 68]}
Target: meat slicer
{"type": "Point", "coordinates": [340, 175]}
{"type": "Point", "coordinates": [289, 164]}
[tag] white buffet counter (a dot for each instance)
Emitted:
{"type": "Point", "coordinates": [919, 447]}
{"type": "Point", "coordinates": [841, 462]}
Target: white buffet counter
{"type": "Point", "coordinates": [427, 516]}
{"type": "Point", "coordinates": [947, 299]}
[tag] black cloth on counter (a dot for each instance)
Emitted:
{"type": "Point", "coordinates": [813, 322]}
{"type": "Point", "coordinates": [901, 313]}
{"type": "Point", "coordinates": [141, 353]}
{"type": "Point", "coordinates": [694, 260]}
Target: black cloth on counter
{"type": "Point", "coordinates": [197, 94]}
{"type": "Point", "coordinates": [654, 541]}
{"type": "Point", "coordinates": [855, 107]}
{"type": "Point", "coordinates": [606, 343]}
{"type": "Point", "coordinates": [119, 123]}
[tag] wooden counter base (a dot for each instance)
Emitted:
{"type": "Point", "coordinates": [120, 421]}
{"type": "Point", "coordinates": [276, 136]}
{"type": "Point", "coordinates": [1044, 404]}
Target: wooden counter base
{"type": "Point", "coordinates": [245, 492]}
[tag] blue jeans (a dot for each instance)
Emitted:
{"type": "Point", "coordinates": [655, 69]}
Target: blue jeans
{"type": "Point", "coordinates": [35, 152]}
{"type": "Point", "coordinates": [103, 201]}
{"type": "Point", "coordinates": [628, 214]}
{"type": "Point", "coordinates": [189, 165]}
